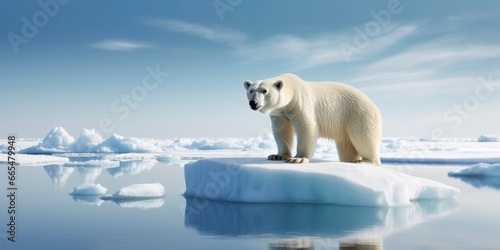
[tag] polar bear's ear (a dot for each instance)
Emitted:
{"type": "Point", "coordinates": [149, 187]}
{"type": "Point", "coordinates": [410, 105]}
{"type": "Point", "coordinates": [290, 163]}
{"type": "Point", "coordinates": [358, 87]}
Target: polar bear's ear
{"type": "Point", "coordinates": [278, 84]}
{"type": "Point", "coordinates": [247, 84]}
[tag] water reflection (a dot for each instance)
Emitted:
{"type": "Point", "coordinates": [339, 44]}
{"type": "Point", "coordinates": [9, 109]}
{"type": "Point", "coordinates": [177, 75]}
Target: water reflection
{"type": "Point", "coordinates": [139, 203]}
{"type": "Point", "coordinates": [89, 174]}
{"type": "Point", "coordinates": [58, 174]}
{"type": "Point", "coordinates": [246, 219]}
{"type": "Point", "coordinates": [132, 167]}
{"type": "Point", "coordinates": [480, 181]}
{"type": "Point", "coordinates": [88, 199]}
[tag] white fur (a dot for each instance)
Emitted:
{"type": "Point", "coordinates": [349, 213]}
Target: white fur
{"type": "Point", "coordinates": [318, 109]}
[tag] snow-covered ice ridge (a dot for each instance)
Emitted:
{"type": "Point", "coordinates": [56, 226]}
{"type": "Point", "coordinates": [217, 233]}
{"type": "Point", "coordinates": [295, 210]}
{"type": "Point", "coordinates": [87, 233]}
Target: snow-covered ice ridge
{"type": "Point", "coordinates": [478, 170]}
{"type": "Point", "coordinates": [259, 180]}
{"type": "Point", "coordinates": [485, 149]}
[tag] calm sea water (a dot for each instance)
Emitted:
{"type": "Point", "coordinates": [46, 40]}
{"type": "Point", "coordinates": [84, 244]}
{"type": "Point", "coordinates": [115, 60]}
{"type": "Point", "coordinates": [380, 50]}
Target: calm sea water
{"type": "Point", "coordinates": [49, 218]}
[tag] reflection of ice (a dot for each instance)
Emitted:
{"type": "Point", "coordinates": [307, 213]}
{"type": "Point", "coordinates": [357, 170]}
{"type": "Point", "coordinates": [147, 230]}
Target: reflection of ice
{"type": "Point", "coordinates": [481, 181]}
{"type": "Point", "coordinates": [59, 174]}
{"type": "Point", "coordinates": [88, 199]}
{"type": "Point", "coordinates": [131, 167]}
{"type": "Point", "coordinates": [243, 219]}
{"type": "Point", "coordinates": [169, 159]}
{"type": "Point", "coordinates": [89, 174]}
{"type": "Point", "coordinates": [143, 203]}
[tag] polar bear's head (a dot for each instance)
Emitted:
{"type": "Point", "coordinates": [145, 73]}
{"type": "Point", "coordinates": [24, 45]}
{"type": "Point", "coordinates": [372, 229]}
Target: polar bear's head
{"type": "Point", "coordinates": [265, 95]}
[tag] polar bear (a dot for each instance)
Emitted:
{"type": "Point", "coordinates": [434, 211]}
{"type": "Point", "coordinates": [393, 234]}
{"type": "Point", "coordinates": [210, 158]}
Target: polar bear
{"type": "Point", "coordinates": [318, 109]}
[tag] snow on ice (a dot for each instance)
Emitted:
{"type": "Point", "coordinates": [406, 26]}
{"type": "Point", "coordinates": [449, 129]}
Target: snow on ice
{"type": "Point", "coordinates": [478, 170]}
{"type": "Point", "coordinates": [259, 180]}
{"type": "Point", "coordinates": [89, 189]}
{"type": "Point", "coordinates": [394, 150]}
{"type": "Point", "coordinates": [35, 160]}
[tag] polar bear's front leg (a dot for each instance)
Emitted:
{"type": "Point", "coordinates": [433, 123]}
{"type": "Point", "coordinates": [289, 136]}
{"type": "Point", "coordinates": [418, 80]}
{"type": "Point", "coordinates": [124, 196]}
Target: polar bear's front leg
{"type": "Point", "coordinates": [306, 144]}
{"type": "Point", "coordinates": [283, 134]}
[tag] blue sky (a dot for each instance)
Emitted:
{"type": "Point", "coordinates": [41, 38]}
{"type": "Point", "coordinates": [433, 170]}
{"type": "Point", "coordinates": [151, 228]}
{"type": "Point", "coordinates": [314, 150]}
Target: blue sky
{"type": "Point", "coordinates": [431, 67]}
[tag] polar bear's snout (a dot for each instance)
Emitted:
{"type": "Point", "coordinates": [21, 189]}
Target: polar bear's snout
{"type": "Point", "coordinates": [254, 105]}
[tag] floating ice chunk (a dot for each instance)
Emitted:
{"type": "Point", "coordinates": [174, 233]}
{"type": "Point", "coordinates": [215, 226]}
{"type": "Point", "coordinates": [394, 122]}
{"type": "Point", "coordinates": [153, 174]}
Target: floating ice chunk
{"type": "Point", "coordinates": [89, 189]}
{"type": "Point", "coordinates": [119, 144]}
{"type": "Point", "coordinates": [87, 142]}
{"type": "Point", "coordinates": [260, 180]}
{"type": "Point", "coordinates": [34, 160]}
{"type": "Point", "coordinates": [436, 157]}
{"type": "Point", "coordinates": [139, 191]}
{"type": "Point", "coordinates": [480, 169]}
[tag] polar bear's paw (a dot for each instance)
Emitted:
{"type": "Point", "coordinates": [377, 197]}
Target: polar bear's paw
{"type": "Point", "coordinates": [298, 160]}
{"type": "Point", "coordinates": [278, 157]}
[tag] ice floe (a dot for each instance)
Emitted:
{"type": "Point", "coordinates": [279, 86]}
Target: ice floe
{"type": "Point", "coordinates": [260, 180]}
{"type": "Point", "coordinates": [477, 170]}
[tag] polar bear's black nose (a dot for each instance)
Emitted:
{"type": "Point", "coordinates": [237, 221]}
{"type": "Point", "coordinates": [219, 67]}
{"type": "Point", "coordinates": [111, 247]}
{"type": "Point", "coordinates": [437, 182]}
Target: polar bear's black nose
{"type": "Point", "coordinates": [253, 104]}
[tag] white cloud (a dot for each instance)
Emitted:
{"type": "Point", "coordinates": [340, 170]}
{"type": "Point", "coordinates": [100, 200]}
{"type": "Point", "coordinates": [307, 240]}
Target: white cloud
{"type": "Point", "coordinates": [422, 69]}
{"type": "Point", "coordinates": [298, 51]}
{"type": "Point", "coordinates": [318, 50]}
{"type": "Point", "coordinates": [436, 54]}
{"type": "Point", "coordinates": [118, 45]}
{"type": "Point", "coordinates": [217, 35]}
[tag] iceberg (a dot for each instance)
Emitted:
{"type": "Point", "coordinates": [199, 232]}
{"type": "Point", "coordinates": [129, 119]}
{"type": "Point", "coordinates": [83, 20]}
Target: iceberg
{"type": "Point", "coordinates": [260, 180]}
{"type": "Point", "coordinates": [56, 141]}
{"type": "Point", "coordinates": [89, 189]}
{"type": "Point", "coordinates": [59, 141]}
{"type": "Point", "coordinates": [87, 142]}
{"type": "Point", "coordinates": [479, 175]}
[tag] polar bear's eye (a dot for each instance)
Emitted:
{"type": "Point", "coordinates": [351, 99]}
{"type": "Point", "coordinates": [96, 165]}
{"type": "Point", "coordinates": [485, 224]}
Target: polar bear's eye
{"type": "Point", "coordinates": [264, 91]}
{"type": "Point", "coordinates": [251, 91]}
